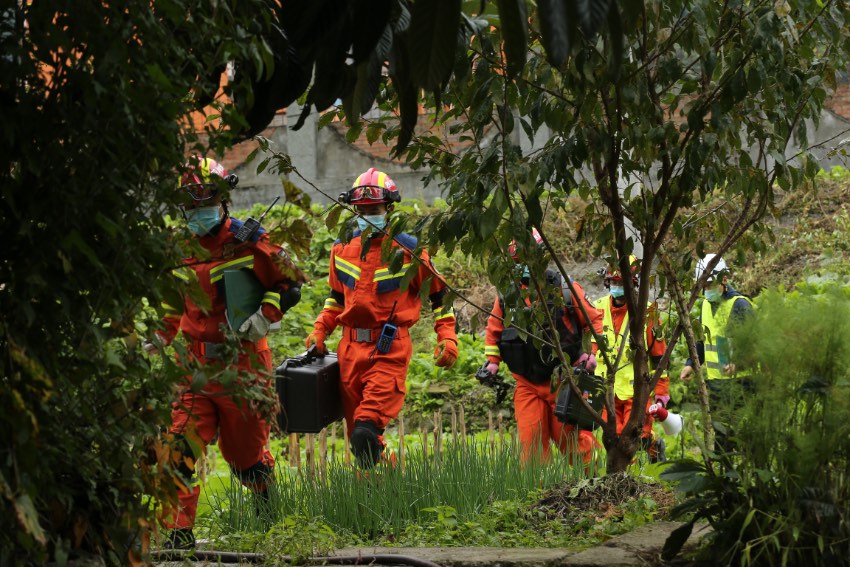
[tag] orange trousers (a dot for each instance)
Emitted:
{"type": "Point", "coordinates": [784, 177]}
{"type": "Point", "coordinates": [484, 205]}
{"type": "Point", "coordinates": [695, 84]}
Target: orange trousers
{"type": "Point", "coordinates": [534, 407]}
{"type": "Point", "coordinates": [243, 435]}
{"type": "Point", "coordinates": [622, 412]}
{"type": "Point", "coordinates": [372, 384]}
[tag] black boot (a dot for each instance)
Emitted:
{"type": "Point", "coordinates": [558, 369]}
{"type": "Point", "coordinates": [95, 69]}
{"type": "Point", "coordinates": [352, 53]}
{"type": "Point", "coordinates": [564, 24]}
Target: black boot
{"type": "Point", "coordinates": [180, 538]}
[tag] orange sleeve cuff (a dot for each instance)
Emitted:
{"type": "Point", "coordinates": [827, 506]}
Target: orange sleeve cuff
{"type": "Point", "coordinates": [271, 312]}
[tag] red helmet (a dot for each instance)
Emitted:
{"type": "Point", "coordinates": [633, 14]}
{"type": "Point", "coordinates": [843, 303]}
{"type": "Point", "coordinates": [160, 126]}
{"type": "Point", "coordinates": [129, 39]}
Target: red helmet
{"type": "Point", "coordinates": [612, 274]}
{"type": "Point", "coordinates": [512, 246]}
{"type": "Point", "coordinates": [371, 186]}
{"type": "Point", "coordinates": [199, 178]}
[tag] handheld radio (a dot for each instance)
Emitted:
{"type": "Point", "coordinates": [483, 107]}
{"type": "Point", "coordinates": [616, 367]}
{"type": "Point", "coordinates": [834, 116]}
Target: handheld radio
{"type": "Point", "coordinates": [388, 333]}
{"type": "Point", "coordinates": [247, 230]}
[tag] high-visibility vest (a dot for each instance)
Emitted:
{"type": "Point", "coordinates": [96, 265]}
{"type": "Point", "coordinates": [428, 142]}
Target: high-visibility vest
{"type": "Point", "coordinates": [717, 347]}
{"type": "Point", "coordinates": [624, 377]}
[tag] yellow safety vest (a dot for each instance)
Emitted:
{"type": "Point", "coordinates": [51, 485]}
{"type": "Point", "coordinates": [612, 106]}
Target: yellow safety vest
{"type": "Point", "coordinates": [717, 347]}
{"type": "Point", "coordinates": [624, 378]}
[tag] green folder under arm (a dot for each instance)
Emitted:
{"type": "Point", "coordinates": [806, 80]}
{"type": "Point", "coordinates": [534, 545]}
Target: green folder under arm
{"type": "Point", "coordinates": [243, 294]}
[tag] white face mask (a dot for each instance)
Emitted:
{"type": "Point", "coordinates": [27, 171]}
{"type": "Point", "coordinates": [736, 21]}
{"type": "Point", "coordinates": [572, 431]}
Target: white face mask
{"type": "Point", "coordinates": [374, 221]}
{"type": "Point", "coordinates": [713, 294]}
{"type": "Point", "coordinates": [202, 220]}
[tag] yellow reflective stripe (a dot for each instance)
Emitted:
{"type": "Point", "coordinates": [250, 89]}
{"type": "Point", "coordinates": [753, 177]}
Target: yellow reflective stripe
{"type": "Point", "coordinates": [491, 350]}
{"type": "Point", "coordinates": [243, 263]}
{"type": "Point", "coordinates": [381, 177]}
{"type": "Point", "coordinates": [272, 298]}
{"type": "Point", "coordinates": [181, 273]}
{"type": "Point", "coordinates": [385, 274]}
{"type": "Point", "coordinates": [332, 304]}
{"type": "Point", "coordinates": [444, 313]}
{"type": "Point", "coordinates": [347, 268]}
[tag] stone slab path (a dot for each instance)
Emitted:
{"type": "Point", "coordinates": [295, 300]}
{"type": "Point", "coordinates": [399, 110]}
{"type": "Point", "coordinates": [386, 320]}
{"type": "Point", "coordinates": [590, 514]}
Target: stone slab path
{"type": "Point", "coordinates": [641, 547]}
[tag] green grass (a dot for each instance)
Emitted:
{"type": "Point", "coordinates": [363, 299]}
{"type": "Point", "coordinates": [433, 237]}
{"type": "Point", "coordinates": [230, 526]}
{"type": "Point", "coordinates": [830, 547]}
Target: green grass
{"type": "Point", "coordinates": [471, 494]}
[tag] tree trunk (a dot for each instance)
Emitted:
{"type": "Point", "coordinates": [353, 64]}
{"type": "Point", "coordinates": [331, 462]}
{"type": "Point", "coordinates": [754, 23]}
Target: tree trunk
{"type": "Point", "coordinates": [621, 449]}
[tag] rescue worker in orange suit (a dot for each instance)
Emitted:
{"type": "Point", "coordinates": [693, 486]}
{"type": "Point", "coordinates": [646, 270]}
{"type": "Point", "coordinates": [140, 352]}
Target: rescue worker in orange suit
{"type": "Point", "coordinates": [198, 416]}
{"type": "Point", "coordinates": [534, 400]}
{"type": "Point", "coordinates": [365, 296]}
{"type": "Point", "coordinates": [616, 320]}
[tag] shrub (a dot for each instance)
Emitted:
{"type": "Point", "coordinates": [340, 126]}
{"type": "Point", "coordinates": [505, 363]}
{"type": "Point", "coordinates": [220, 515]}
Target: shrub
{"type": "Point", "coordinates": [779, 494]}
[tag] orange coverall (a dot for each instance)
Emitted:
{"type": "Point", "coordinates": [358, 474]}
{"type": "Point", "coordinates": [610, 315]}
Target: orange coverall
{"type": "Point", "coordinates": [197, 416]}
{"type": "Point", "coordinates": [534, 403]}
{"type": "Point", "coordinates": [656, 346]}
{"type": "Point", "coordinates": [365, 294]}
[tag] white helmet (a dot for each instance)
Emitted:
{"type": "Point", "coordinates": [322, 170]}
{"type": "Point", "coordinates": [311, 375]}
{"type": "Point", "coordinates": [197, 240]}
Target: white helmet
{"type": "Point", "coordinates": [703, 263]}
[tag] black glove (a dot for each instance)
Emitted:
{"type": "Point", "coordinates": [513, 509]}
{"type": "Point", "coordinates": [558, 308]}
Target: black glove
{"type": "Point", "coordinates": [290, 298]}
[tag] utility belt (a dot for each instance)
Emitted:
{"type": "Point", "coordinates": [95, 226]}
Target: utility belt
{"type": "Point", "coordinates": [211, 350]}
{"type": "Point", "coordinates": [359, 335]}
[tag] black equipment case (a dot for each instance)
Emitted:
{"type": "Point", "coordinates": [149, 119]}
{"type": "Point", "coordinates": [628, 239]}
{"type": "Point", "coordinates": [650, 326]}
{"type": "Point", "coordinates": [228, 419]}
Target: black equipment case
{"type": "Point", "coordinates": [308, 389]}
{"type": "Point", "coordinates": [568, 409]}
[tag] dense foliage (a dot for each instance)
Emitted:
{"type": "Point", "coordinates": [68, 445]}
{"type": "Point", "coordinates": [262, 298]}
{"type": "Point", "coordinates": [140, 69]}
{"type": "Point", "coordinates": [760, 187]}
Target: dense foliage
{"type": "Point", "coordinates": [778, 495]}
{"type": "Point", "coordinates": [95, 103]}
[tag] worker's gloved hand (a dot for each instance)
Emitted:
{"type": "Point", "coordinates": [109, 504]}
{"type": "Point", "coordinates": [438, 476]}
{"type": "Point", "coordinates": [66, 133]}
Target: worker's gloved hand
{"type": "Point", "coordinates": [256, 326]}
{"type": "Point", "coordinates": [445, 354]}
{"type": "Point", "coordinates": [154, 346]}
{"type": "Point", "coordinates": [588, 360]}
{"type": "Point", "coordinates": [662, 400]}
{"type": "Point", "coordinates": [317, 339]}
{"type": "Point", "coordinates": [290, 298]}
{"type": "Point", "coordinates": [493, 368]}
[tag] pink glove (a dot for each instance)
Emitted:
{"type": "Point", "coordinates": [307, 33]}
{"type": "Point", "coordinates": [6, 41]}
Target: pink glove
{"type": "Point", "coordinates": [589, 361]}
{"type": "Point", "coordinates": [663, 400]}
{"type": "Point", "coordinates": [493, 368]}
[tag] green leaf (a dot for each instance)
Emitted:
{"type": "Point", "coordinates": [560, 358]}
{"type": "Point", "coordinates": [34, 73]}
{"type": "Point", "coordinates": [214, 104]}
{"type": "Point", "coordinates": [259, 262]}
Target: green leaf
{"type": "Point", "coordinates": [514, 19]}
{"type": "Point", "coordinates": [554, 29]}
{"type": "Point", "coordinates": [489, 221]}
{"type": "Point", "coordinates": [28, 518]}
{"type": "Point", "coordinates": [369, 77]}
{"type": "Point", "coordinates": [332, 218]}
{"type": "Point", "coordinates": [433, 38]}
{"type": "Point", "coordinates": [676, 540]}
{"type": "Point", "coordinates": [591, 14]}
{"type": "Point", "coordinates": [397, 261]}
{"type": "Point", "coordinates": [159, 77]}
{"type": "Point", "coordinates": [408, 99]}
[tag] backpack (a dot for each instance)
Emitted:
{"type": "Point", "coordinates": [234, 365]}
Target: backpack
{"type": "Point", "coordinates": [537, 365]}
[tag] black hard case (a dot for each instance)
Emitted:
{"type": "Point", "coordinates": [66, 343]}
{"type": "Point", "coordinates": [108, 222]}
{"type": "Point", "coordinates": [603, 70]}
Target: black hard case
{"type": "Point", "coordinates": [568, 409]}
{"type": "Point", "coordinates": [308, 389]}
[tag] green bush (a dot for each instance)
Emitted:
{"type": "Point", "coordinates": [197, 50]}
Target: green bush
{"type": "Point", "coordinates": [779, 494]}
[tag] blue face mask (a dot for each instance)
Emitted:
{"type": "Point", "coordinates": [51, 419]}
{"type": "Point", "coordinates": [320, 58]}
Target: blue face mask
{"type": "Point", "coordinates": [617, 291]}
{"type": "Point", "coordinates": [203, 219]}
{"type": "Point", "coordinates": [366, 221]}
{"type": "Point", "coordinates": [713, 295]}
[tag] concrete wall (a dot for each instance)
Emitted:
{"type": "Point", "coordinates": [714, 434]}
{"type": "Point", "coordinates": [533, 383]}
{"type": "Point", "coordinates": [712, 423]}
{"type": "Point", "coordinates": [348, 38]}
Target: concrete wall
{"type": "Point", "coordinates": [324, 158]}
